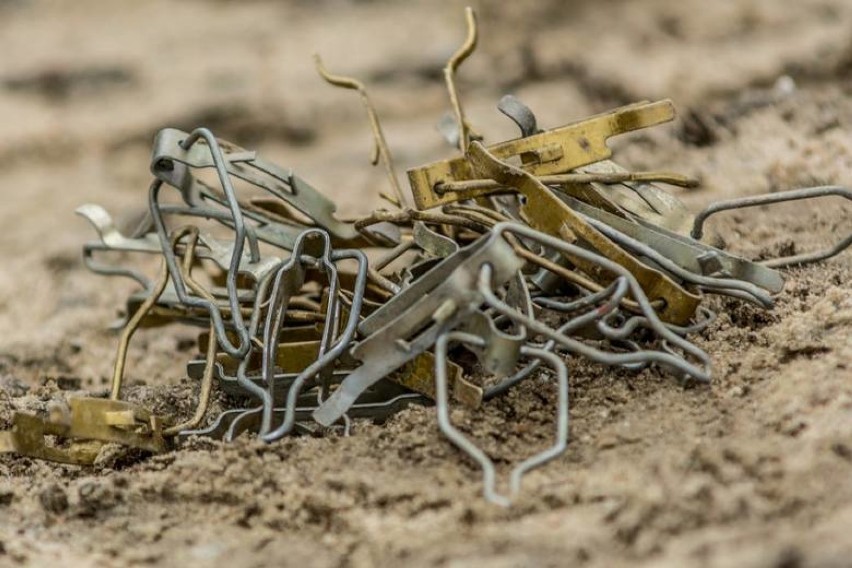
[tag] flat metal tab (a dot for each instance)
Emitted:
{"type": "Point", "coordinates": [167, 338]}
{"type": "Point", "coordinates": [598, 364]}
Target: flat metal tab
{"type": "Point", "coordinates": [550, 152]}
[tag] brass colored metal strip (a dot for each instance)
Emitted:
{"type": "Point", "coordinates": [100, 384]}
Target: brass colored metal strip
{"type": "Point", "coordinates": [28, 438]}
{"type": "Point", "coordinates": [547, 213]}
{"type": "Point", "coordinates": [419, 376]}
{"type": "Point", "coordinates": [91, 417]}
{"type": "Point", "coordinates": [551, 152]}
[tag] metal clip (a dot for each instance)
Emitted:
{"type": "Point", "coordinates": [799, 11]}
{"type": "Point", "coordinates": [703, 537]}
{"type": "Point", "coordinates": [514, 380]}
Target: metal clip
{"type": "Point", "coordinates": [608, 186]}
{"type": "Point", "coordinates": [30, 437]}
{"type": "Point", "coordinates": [410, 322]}
{"type": "Point", "coordinates": [333, 345]}
{"type": "Point", "coordinates": [625, 282]}
{"type": "Point", "coordinates": [690, 257]}
{"type": "Point", "coordinates": [175, 153]}
{"type": "Point", "coordinates": [90, 423]}
{"type": "Point", "coordinates": [457, 438]}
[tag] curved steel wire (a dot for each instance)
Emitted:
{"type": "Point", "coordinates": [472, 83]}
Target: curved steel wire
{"type": "Point", "coordinates": [477, 454]}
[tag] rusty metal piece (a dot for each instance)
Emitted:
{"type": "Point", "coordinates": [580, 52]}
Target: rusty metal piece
{"type": "Point", "coordinates": [116, 421]}
{"type": "Point", "coordinates": [84, 427]}
{"type": "Point", "coordinates": [608, 186]}
{"type": "Point", "coordinates": [581, 177]}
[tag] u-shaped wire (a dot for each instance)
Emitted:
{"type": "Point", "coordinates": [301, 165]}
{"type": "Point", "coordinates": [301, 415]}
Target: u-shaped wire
{"type": "Point", "coordinates": [289, 278]}
{"type": "Point", "coordinates": [780, 197]}
{"type": "Point", "coordinates": [336, 349]}
{"type": "Point", "coordinates": [236, 351]}
{"type": "Point", "coordinates": [471, 449]}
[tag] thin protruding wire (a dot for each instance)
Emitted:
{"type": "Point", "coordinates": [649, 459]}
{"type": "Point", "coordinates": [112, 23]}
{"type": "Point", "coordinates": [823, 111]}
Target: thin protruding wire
{"type": "Point", "coordinates": [242, 348]}
{"type": "Point", "coordinates": [206, 388]}
{"type": "Point", "coordinates": [779, 197]}
{"type": "Point", "coordinates": [561, 179]}
{"type": "Point", "coordinates": [130, 328]}
{"type": "Point", "coordinates": [381, 151]}
{"type": "Point", "coordinates": [449, 76]}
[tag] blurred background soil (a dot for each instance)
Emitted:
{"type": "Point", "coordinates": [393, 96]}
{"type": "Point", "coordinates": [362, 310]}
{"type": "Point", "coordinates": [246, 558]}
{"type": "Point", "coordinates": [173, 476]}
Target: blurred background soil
{"type": "Point", "coordinates": [754, 470]}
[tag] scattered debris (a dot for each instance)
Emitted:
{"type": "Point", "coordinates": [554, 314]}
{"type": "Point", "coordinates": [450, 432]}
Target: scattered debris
{"type": "Point", "coordinates": [306, 334]}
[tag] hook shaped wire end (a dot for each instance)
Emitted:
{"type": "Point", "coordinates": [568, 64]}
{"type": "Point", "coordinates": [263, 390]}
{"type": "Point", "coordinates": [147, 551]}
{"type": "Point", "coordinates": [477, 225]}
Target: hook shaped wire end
{"type": "Point", "coordinates": [380, 151]}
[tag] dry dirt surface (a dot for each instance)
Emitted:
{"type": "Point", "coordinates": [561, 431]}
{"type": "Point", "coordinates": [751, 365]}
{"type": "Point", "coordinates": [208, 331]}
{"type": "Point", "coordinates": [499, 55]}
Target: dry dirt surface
{"type": "Point", "coordinates": [754, 470]}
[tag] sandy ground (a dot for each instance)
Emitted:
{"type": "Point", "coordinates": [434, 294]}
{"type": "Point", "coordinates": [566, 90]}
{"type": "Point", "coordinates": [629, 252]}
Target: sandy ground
{"type": "Point", "coordinates": [755, 470]}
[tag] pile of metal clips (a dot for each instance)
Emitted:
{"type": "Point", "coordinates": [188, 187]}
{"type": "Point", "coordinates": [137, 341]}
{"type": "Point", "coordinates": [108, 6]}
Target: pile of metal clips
{"type": "Point", "coordinates": [510, 259]}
